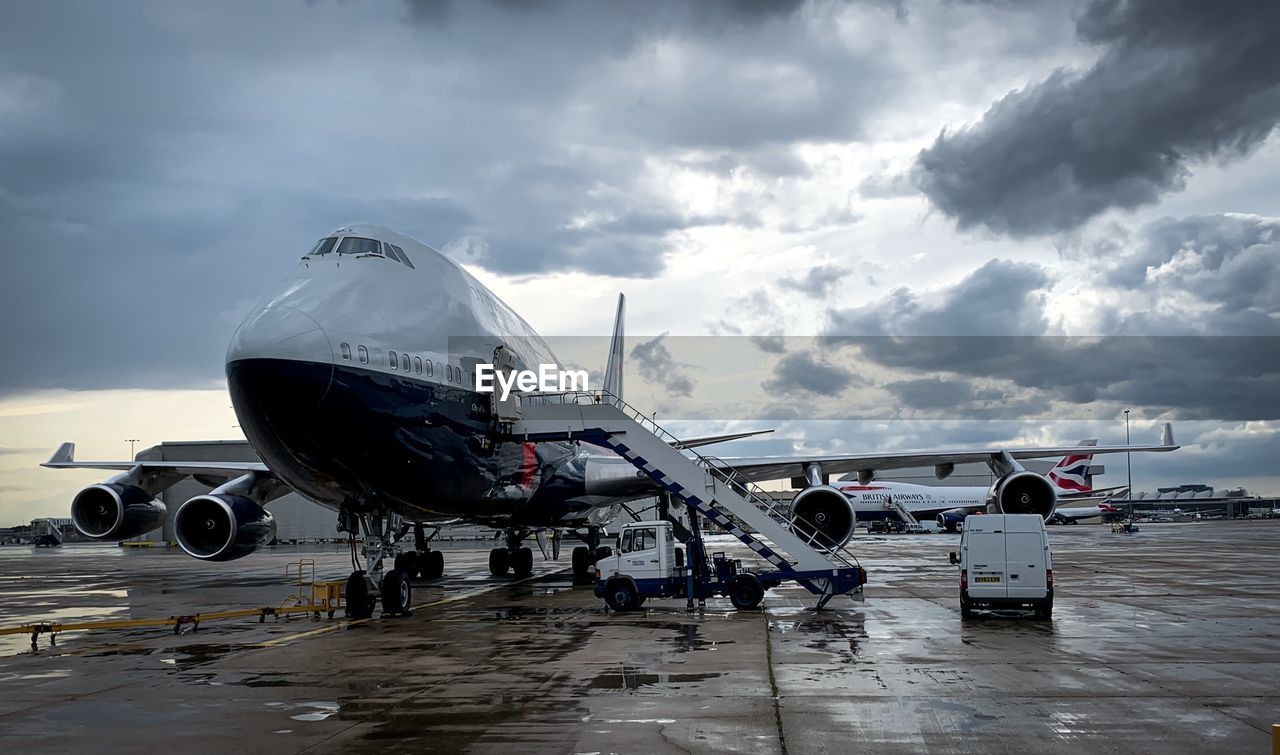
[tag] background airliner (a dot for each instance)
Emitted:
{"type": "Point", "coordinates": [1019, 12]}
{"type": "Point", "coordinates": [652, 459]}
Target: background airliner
{"type": "Point", "coordinates": [950, 505]}
{"type": "Point", "coordinates": [355, 384]}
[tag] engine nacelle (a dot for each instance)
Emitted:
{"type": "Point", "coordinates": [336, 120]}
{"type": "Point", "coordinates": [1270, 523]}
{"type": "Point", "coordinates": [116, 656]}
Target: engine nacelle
{"type": "Point", "coordinates": [115, 511]}
{"type": "Point", "coordinates": [823, 516]}
{"type": "Point", "coordinates": [1023, 493]}
{"type": "Point", "coordinates": [222, 527]}
{"type": "Point", "coordinates": [951, 519]}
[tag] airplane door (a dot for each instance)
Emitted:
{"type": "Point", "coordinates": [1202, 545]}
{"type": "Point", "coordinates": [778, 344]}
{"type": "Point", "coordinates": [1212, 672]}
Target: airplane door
{"type": "Point", "coordinates": [504, 362]}
{"type": "Point", "coordinates": [987, 565]}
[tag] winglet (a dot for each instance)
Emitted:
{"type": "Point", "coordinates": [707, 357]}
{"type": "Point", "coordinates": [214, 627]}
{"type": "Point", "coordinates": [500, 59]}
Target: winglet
{"type": "Point", "coordinates": [65, 454]}
{"type": "Point", "coordinates": [613, 370]}
{"type": "Point", "coordinates": [1166, 435]}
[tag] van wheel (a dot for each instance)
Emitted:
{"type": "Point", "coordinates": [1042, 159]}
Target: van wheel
{"type": "Point", "coordinates": [745, 592]}
{"type": "Point", "coordinates": [1044, 609]}
{"type": "Point", "coordinates": [621, 595]}
{"type": "Point", "coordinates": [966, 612]}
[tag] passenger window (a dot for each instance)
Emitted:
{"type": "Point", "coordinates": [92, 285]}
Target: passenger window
{"type": "Point", "coordinates": [364, 355]}
{"type": "Point", "coordinates": [417, 365]}
{"type": "Point", "coordinates": [405, 363]}
{"type": "Point", "coordinates": [346, 350]}
{"type": "Point", "coordinates": [392, 356]}
{"type": "Point", "coordinates": [357, 245]}
{"type": "Point", "coordinates": [429, 368]}
{"type": "Point", "coordinates": [627, 538]}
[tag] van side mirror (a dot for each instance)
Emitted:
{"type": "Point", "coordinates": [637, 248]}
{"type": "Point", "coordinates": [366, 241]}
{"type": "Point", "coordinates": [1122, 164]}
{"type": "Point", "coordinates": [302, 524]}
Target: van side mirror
{"type": "Point", "coordinates": [955, 557]}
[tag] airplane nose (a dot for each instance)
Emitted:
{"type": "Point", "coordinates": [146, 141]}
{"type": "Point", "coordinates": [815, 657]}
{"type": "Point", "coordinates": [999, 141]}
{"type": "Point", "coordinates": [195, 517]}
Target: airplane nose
{"type": "Point", "coordinates": [279, 360]}
{"type": "Point", "coordinates": [280, 332]}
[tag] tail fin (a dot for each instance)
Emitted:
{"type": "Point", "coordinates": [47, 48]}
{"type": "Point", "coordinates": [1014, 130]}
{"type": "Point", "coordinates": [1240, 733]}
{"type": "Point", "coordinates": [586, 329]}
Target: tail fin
{"type": "Point", "coordinates": [613, 370]}
{"type": "Point", "coordinates": [1071, 473]}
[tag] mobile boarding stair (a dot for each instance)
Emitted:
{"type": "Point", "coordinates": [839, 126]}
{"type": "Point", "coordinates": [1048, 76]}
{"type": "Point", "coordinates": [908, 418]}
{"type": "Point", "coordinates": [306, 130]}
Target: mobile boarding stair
{"type": "Point", "coordinates": [909, 521]}
{"type": "Point", "coordinates": [706, 484]}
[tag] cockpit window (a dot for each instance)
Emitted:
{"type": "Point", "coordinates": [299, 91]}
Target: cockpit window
{"type": "Point", "coordinates": [399, 254]}
{"type": "Point", "coordinates": [323, 246]}
{"type": "Point", "coordinates": [357, 245]}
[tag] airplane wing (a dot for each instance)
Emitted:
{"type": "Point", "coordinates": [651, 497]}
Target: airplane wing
{"type": "Point", "coordinates": [706, 440]}
{"type": "Point", "coordinates": [64, 458]}
{"type": "Point", "coordinates": [783, 467]}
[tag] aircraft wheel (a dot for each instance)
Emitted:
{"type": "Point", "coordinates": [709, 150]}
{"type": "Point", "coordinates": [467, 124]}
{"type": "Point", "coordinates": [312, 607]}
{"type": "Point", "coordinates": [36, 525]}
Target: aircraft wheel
{"type": "Point", "coordinates": [396, 593]}
{"type": "Point", "coordinates": [359, 601]}
{"type": "Point", "coordinates": [746, 592]}
{"type": "Point", "coordinates": [522, 562]}
{"type": "Point", "coordinates": [499, 562]}
{"type": "Point", "coordinates": [621, 595]}
{"type": "Point", "coordinates": [407, 562]}
{"type": "Point", "coordinates": [581, 560]}
{"type": "Point", "coordinates": [431, 564]}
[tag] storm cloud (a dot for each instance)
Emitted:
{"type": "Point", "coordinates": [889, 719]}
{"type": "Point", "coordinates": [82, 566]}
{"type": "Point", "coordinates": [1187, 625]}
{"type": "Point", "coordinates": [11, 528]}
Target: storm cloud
{"type": "Point", "coordinates": [1176, 81]}
{"type": "Point", "coordinates": [654, 362]}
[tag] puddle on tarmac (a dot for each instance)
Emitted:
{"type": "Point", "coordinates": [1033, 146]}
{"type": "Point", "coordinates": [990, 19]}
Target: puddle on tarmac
{"type": "Point", "coordinates": [631, 677]}
{"type": "Point", "coordinates": [320, 711]}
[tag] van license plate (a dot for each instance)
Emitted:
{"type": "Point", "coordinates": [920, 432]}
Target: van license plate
{"type": "Point", "coordinates": [986, 579]}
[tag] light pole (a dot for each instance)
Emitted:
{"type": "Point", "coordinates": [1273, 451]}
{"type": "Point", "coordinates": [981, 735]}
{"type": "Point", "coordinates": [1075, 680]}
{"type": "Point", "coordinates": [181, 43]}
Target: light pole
{"type": "Point", "coordinates": [131, 441]}
{"type": "Point", "coordinates": [1128, 465]}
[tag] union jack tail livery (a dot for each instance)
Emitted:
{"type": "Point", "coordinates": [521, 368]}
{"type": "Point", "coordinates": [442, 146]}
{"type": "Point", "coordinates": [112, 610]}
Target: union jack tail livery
{"type": "Point", "coordinates": [1071, 474]}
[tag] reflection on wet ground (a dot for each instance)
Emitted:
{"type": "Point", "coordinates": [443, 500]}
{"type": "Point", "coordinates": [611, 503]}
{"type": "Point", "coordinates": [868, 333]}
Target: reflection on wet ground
{"type": "Point", "coordinates": [1167, 631]}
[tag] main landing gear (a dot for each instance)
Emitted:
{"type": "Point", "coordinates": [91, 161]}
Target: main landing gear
{"type": "Point", "coordinates": [515, 557]}
{"type": "Point", "coordinates": [586, 556]}
{"type": "Point", "coordinates": [381, 535]}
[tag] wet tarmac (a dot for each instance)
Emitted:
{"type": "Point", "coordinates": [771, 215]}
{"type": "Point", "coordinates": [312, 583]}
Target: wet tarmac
{"type": "Point", "coordinates": [1164, 640]}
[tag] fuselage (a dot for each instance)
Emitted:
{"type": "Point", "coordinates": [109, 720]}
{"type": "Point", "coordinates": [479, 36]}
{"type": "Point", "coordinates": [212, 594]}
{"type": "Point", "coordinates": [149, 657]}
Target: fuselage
{"type": "Point", "coordinates": [871, 501]}
{"type": "Point", "coordinates": [355, 383]}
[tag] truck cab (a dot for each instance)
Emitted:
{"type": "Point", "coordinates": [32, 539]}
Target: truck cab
{"type": "Point", "coordinates": [1005, 563]}
{"type": "Point", "coordinates": [648, 565]}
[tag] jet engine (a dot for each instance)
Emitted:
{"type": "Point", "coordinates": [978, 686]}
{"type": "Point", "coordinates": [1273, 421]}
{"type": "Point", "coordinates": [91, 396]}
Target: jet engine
{"type": "Point", "coordinates": [1023, 493]}
{"type": "Point", "coordinates": [115, 511]}
{"type": "Point", "coordinates": [823, 515]}
{"type": "Point", "coordinates": [222, 527]}
{"type": "Point", "coordinates": [951, 519]}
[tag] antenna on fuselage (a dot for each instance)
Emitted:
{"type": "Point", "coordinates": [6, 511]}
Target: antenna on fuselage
{"type": "Point", "coordinates": [613, 370]}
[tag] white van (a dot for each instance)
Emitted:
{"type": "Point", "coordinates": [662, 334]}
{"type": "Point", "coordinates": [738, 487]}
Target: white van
{"type": "Point", "coordinates": [1005, 562]}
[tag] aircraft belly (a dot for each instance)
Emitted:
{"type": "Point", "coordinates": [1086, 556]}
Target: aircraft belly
{"type": "Point", "coordinates": [372, 439]}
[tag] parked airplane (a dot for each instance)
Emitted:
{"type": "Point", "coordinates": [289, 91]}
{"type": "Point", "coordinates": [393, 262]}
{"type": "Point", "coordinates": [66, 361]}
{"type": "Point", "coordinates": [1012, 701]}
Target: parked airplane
{"type": "Point", "coordinates": [949, 506]}
{"type": "Point", "coordinates": [355, 384]}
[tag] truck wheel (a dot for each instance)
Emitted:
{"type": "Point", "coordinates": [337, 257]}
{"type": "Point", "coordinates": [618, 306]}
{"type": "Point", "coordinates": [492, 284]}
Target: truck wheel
{"type": "Point", "coordinates": [621, 595]}
{"type": "Point", "coordinates": [499, 562]}
{"type": "Point", "coordinates": [745, 592]}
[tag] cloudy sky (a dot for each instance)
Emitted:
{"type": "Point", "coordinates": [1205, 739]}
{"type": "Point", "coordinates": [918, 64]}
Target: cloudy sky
{"type": "Point", "coordinates": [1045, 212]}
